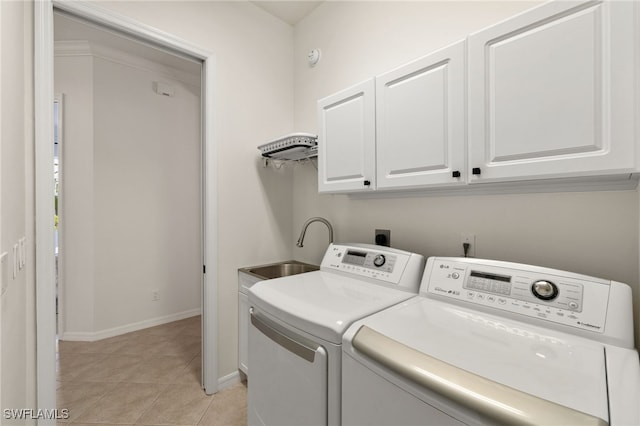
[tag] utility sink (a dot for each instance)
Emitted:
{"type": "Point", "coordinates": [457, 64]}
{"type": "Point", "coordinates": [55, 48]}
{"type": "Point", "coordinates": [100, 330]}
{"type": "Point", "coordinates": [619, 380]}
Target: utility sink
{"type": "Point", "coordinates": [280, 269]}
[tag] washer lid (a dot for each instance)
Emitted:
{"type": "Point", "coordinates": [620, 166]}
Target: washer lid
{"type": "Point", "coordinates": [322, 303]}
{"type": "Point", "coordinates": [550, 365]}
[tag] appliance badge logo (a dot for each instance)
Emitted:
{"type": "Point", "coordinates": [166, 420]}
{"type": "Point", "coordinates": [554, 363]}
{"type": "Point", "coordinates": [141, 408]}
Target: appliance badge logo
{"type": "Point", "coordinates": [444, 290]}
{"type": "Point", "coordinates": [586, 324]}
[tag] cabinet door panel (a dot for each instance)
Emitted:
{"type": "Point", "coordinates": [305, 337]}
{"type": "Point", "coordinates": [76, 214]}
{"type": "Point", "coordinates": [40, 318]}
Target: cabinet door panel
{"type": "Point", "coordinates": [346, 140]}
{"type": "Point", "coordinates": [420, 121]}
{"type": "Point", "coordinates": [546, 93]}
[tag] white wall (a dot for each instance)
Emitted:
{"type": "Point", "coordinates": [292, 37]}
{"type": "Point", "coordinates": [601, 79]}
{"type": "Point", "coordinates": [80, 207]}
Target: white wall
{"type": "Point", "coordinates": [17, 346]}
{"type": "Point", "coordinates": [146, 196]}
{"type": "Point", "coordinates": [594, 233]}
{"type": "Point", "coordinates": [73, 77]}
{"type": "Point", "coordinates": [258, 216]}
{"type": "Point", "coordinates": [130, 215]}
{"type": "Point", "coordinates": [254, 103]}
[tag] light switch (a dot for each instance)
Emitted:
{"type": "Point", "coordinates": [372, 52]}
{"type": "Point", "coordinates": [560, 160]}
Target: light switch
{"type": "Point", "coordinates": [4, 279]}
{"type": "Point", "coordinates": [22, 252]}
{"type": "Point", "coordinates": [15, 261]}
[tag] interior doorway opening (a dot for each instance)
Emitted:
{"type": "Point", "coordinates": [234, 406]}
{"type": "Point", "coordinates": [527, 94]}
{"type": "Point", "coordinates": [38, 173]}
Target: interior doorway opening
{"type": "Point", "coordinates": [45, 199]}
{"type": "Point", "coordinates": [132, 198]}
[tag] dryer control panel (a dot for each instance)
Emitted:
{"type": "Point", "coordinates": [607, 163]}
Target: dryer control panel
{"type": "Point", "coordinates": [542, 293]}
{"type": "Point", "coordinates": [391, 266]}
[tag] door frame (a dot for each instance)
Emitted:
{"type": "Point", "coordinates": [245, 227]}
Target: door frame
{"type": "Point", "coordinates": [44, 200]}
{"type": "Point", "coordinates": [59, 99]}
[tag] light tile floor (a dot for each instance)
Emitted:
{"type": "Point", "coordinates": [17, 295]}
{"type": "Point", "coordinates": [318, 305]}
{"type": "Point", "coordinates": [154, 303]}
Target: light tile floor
{"type": "Point", "coordinates": [148, 377]}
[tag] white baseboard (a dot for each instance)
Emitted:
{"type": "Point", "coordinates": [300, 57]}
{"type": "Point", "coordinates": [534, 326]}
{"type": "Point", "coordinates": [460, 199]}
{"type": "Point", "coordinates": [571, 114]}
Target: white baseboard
{"type": "Point", "coordinates": [228, 380]}
{"type": "Point", "coordinates": [83, 336]}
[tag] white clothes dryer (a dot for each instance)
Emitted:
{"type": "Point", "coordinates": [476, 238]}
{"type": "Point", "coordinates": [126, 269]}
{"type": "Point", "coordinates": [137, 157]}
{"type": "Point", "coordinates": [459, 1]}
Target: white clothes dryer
{"type": "Point", "coordinates": [297, 323]}
{"type": "Point", "coordinates": [489, 342]}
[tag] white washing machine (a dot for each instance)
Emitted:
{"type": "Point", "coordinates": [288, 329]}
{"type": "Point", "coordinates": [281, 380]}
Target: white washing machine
{"type": "Point", "coordinates": [297, 323]}
{"type": "Point", "coordinates": [489, 342]}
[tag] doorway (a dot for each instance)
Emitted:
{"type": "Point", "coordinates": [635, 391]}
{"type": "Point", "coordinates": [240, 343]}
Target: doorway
{"type": "Point", "coordinates": [131, 213]}
{"type": "Point", "coordinates": [45, 270]}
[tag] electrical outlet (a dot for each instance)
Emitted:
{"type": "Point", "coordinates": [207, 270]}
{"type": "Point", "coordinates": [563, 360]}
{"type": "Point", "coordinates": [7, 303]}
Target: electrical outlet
{"type": "Point", "coordinates": [471, 240]}
{"type": "Point", "coordinates": [383, 237]}
{"type": "Point", "coordinates": [155, 295]}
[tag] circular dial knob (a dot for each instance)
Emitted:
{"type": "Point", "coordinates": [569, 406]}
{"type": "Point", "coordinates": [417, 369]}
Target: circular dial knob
{"type": "Point", "coordinates": [379, 260]}
{"type": "Point", "coordinates": [545, 290]}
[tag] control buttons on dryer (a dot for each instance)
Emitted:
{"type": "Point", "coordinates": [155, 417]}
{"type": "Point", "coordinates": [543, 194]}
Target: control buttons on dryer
{"type": "Point", "coordinates": [379, 260]}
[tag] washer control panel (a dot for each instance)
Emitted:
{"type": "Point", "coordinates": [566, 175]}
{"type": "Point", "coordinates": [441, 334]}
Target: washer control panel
{"type": "Point", "coordinates": [381, 263]}
{"type": "Point", "coordinates": [371, 260]}
{"type": "Point", "coordinates": [542, 293]}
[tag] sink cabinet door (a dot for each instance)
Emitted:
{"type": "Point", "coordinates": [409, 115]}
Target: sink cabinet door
{"type": "Point", "coordinates": [552, 93]}
{"type": "Point", "coordinates": [243, 333]}
{"type": "Point", "coordinates": [420, 122]}
{"type": "Point", "coordinates": [245, 281]}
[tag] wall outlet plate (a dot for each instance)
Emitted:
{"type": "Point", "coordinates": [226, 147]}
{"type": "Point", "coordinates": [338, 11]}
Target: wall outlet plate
{"type": "Point", "coordinates": [471, 240]}
{"type": "Point", "coordinates": [383, 237]}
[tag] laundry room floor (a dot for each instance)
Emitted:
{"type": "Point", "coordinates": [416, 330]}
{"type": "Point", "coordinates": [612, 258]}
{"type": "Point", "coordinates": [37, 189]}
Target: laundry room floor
{"type": "Point", "coordinates": [149, 377]}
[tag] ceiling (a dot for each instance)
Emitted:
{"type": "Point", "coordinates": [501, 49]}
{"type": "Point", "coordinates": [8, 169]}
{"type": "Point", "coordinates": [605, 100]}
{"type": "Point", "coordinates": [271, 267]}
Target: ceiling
{"type": "Point", "coordinates": [290, 12]}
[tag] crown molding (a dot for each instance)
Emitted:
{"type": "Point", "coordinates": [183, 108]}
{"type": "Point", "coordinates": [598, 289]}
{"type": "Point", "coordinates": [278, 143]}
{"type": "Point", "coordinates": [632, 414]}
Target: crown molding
{"type": "Point", "coordinates": [72, 48]}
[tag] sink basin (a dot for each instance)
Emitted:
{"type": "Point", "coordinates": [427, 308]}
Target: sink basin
{"type": "Point", "coordinates": [280, 269]}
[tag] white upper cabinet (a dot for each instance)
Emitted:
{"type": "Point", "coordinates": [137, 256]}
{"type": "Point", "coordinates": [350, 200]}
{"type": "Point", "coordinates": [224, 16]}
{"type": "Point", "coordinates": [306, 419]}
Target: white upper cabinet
{"type": "Point", "coordinates": [346, 140]}
{"type": "Point", "coordinates": [420, 122]}
{"type": "Point", "coordinates": [549, 93]}
{"type": "Point", "coordinates": [552, 93]}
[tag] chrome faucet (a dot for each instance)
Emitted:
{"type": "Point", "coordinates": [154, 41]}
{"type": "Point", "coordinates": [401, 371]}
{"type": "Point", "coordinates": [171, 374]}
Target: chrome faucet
{"type": "Point", "coordinates": [309, 222]}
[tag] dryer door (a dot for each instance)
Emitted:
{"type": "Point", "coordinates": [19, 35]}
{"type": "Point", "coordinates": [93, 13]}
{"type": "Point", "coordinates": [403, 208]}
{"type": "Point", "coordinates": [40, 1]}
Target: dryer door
{"type": "Point", "coordinates": [371, 399]}
{"type": "Point", "coordinates": [453, 390]}
{"type": "Point", "coordinates": [288, 376]}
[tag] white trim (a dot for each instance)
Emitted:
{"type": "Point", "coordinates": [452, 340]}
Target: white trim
{"type": "Point", "coordinates": [210, 230]}
{"type": "Point", "coordinates": [45, 283]}
{"type": "Point", "coordinates": [59, 98]}
{"type": "Point", "coordinates": [72, 48]}
{"type": "Point", "coordinates": [625, 182]}
{"type": "Point", "coordinates": [139, 31]}
{"type": "Point", "coordinates": [3, 256]}
{"type": "Point", "coordinates": [45, 267]}
{"type": "Point", "coordinates": [96, 50]}
{"type": "Point", "coordinates": [229, 380]}
{"type": "Point", "coordinates": [128, 328]}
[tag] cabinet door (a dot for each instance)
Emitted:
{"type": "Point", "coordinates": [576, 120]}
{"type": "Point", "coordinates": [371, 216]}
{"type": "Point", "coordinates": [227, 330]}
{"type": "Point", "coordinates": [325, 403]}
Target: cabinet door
{"type": "Point", "coordinates": [243, 333]}
{"type": "Point", "coordinates": [346, 140]}
{"type": "Point", "coordinates": [245, 281]}
{"type": "Point", "coordinates": [551, 93]}
{"type": "Point", "coordinates": [420, 122]}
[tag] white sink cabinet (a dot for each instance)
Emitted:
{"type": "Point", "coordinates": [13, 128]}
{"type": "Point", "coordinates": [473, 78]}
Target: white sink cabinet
{"type": "Point", "coordinates": [245, 281]}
